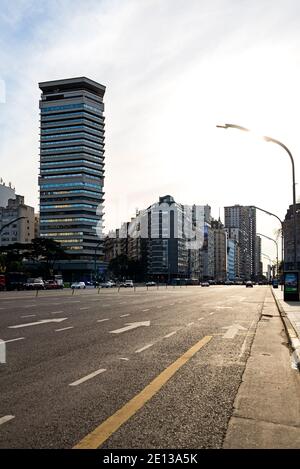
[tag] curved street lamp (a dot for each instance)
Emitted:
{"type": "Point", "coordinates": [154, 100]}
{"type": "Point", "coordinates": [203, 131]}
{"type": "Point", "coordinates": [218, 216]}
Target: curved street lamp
{"type": "Point", "coordinates": [282, 244]}
{"type": "Point", "coordinates": [10, 223]}
{"type": "Point", "coordinates": [269, 258]}
{"type": "Point", "coordinates": [274, 240]}
{"type": "Point", "coordinates": [282, 145]}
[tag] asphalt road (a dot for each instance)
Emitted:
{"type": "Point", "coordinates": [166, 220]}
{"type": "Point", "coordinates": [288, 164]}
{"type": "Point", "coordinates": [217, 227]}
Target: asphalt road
{"type": "Point", "coordinates": [173, 374]}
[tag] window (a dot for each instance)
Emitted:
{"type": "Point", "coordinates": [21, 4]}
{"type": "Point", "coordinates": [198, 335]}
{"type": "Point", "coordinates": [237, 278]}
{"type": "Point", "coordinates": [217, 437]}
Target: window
{"type": "Point", "coordinates": [45, 110]}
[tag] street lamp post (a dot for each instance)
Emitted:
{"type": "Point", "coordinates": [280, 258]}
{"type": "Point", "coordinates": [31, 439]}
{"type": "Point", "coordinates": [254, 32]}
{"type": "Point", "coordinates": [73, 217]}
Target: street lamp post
{"type": "Point", "coordinates": [9, 223]}
{"type": "Point", "coordinates": [274, 240]}
{"type": "Point", "coordinates": [95, 260]}
{"type": "Point", "coordinates": [273, 140]}
{"type": "Point", "coordinates": [268, 257]}
{"type": "Point", "coordinates": [282, 235]}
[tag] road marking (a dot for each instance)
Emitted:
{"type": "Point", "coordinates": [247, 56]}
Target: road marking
{"type": "Point", "coordinates": [64, 328]}
{"type": "Point", "coordinates": [200, 319]}
{"type": "Point", "coordinates": [76, 301]}
{"type": "Point", "coordinates": [124, 315]}
{"type": "Point", "coordinates": [13, 340]}
{"type": "Point", "coordinates": [97, 437]}
{"type": "Point", "coordinates": [143, 348]}
{"type": "Point", "coordinates": [28, 316]}
{"type": "Point", "coordinates": [159, 306]}
{"type": "Point", "coordinates": [44, 321]}
{"type": "Point", "coordinates": [232, 331]}
{"type": "Point", "coordinates": [6, 418]}
{"type": "Point", "coordinates": [144, 310]}
{"type": "Point", "coordinates": [170, 334]}
{"type": "Point", "coordinates": [123, 358]}
{"type": "Point", "coordinates": [129, 326]}
{"type": "Point", "coordinates": [56, 312]}
{"type": "Point", "coordinates": [171, 304]}
{"type": "Point", "coordinates": [29, 306]}
{"type": "Point", "coordinates": [86, 378]}
{"type": "Point", "coordinates": [211, 313]}
{"type": "Point", "coordinates": [224, 307]}
{"type": "Point", "coordinates": [190, 324]}
{"type": "Point", "coordinates": [102, 320]}
{"type": "Point", "coordinates": [85, 307]}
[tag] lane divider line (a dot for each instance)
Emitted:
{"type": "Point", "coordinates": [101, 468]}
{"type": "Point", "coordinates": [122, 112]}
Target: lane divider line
{"type": "Point", "coordinates": [98, 436]}
{"type": "Point", "coordinates": [84, 307]}
{"type": "Point", "coordinates": [64, 329]}
{"type": "Point", "coordinates": [170, 334]}
{"type": "Point", "coordinates": [28, 316]}
{"type": "Point", "coordinates": [124, 315]}
{"type": "Point", "coordinates": [6, 418]}
{"type": "Point", "coordinates": [14, 340]}
{"type": "Point", "coordinates": [56, 312]}
{"type": "Point", "coordinates": [143, 348]}
{"type": "Point", "coordinates": [86, 378]}
{"type": "Point", "coordinates": [102, 320]}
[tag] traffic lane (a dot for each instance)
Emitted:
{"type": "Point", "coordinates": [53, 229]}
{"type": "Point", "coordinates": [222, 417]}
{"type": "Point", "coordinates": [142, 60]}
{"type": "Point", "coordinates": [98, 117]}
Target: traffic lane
{"type": "Point", "coordinates": [42, 307]}
{"type": "Point", "coordinates": [88, 363]}
{"type": "Point", "coordinates": [60, 414]}
{"type": "Point", "coordinates": [87, 319]}
{"type": "Point", "coordinates": [191, 410]}
{"type": "Point", "coordinates": [43, 341]}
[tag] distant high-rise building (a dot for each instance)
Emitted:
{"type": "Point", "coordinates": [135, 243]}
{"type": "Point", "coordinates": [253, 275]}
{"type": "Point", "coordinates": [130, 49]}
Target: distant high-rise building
{"type": "Point", "coordinates": [6, 193]}
{"type": "Point", "coordinates": [240, 222]}
{"type": "Point", "coordinates": [22, 229]}
{"type": "Point", "coordinates": [220, 250]}
{"type": "Point", "coordinates": [288, 231]}
{"type": "Point", "coordinates": [72, 167]}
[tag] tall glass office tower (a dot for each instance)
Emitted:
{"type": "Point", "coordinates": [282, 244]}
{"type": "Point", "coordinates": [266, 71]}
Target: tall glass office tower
{"type": "Point", "coordinates": [72, 165]}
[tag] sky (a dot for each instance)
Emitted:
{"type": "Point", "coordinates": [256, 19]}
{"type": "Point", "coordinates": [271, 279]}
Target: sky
{"type": "Point", "coordinates": [173, 69]}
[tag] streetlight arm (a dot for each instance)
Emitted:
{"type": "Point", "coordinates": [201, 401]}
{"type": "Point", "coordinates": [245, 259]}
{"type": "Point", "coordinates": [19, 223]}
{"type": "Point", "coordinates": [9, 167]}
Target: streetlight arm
{"type": "Point", "coordinates": [12, 221]}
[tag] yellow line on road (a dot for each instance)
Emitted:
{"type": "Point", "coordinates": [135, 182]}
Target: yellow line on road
{"type": "Point", "coordinates": [98, 436]}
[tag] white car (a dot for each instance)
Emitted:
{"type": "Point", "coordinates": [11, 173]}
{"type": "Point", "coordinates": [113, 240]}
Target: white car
{"type": "Point", "coordinates": [128, 283]}
{"type": "Point", "coordinates": [78, 285]}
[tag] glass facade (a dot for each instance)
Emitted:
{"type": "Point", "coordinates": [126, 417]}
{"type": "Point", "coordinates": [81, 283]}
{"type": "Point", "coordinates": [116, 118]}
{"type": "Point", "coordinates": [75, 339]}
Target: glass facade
{"type": "Point", "coordinates": [72, 163]}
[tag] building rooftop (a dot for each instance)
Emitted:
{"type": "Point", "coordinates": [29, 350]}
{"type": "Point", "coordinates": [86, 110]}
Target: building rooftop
{"type": "Point", "coordinates": [72, 84]}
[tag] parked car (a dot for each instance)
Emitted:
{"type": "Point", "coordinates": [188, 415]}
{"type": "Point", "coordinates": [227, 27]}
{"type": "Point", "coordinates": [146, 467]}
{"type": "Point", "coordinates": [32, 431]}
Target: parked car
{"type": "Point", "coordinates": [51, 285]}
{"type": "Point", "coordinates": [34, 284]}
{"type": "Point", "coordinates": [78, 285]}
{"type": "Point", "coordinates": [205, 284]}
{"type": "Point", "coordinates": [151, 284]}
{"type": "Point", "coordinates": [128, 284]}
{"type": "Point", "coordinates": [249, 284]}
{"type": "Point", "coordinates": [107, 284]}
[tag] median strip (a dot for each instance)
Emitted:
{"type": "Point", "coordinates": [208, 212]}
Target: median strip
{"type": "Point", "coordinates": [97, 437]}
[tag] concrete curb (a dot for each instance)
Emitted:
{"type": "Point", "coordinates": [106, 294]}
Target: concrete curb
{"type": "Point", "coordinates": [290, 331]}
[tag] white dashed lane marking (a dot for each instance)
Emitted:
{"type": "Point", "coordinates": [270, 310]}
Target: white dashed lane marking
{"type": "Point", "coordinates": [86, 378]}
{"type": "Point", "coordinates": [6, 418]}
{"type": "Point", "coordinates": [143, 348]}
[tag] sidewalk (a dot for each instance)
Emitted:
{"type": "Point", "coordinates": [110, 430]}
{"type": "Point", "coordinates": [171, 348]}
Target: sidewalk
{"type": "Point", "coordinates": [290, 313]}
{"type": "Point", "coordinates": [267, 406]}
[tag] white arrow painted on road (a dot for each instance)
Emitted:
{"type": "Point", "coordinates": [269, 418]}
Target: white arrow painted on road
{"type": "Point", "coordinates": [129, 326]}
{"type": "Point", "coordinates": [43, 321]}
{"type": "Point", "coordinates": [232, 331]}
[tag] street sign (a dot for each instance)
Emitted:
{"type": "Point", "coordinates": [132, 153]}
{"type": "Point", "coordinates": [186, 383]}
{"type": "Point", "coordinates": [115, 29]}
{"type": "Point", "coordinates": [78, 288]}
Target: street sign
{"type": "Point", "coordinates": [291, 286]}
